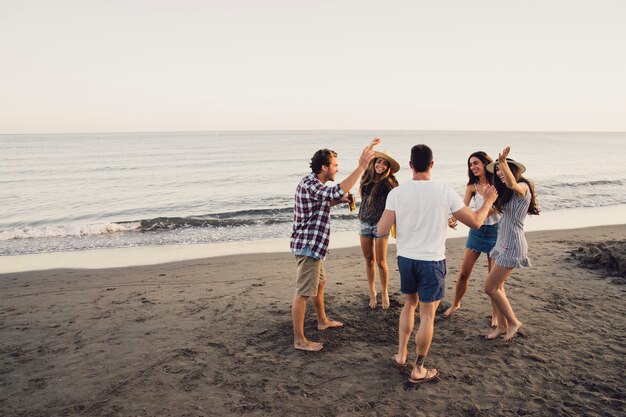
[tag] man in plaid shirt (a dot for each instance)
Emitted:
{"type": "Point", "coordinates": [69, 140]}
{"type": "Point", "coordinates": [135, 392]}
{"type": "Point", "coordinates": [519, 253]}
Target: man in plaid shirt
{"type": "Point", "coordinates": [310, 235]}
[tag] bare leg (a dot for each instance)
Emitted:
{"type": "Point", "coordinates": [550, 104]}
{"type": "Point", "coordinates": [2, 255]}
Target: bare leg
{"type": "Point", "coordinates": [494, 314]}
{"type": "Point", "coordinates": [494, 287]}
{"type": "Point", "coordinates": [383, 269]}
{"type": "Point", "coordinates": [367, 246]}
{"type": "Point", "coordinates": [423, 338]}
{"type": "Point", "coordinates": [469, 259]}
{"type": "Point", "coordinates": [298, 309]}
{"type": "Point", "coordinates": [497, 316]}
{"type": "Point", "coordinates": [407, 319]}
{"type": "Point", "coordinates": [323, 322]}
{"type": "Point", "coordinates": [499, 329]}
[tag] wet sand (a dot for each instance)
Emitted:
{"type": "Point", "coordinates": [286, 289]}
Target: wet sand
{"type": "Point", "coordinates": [213, 337]}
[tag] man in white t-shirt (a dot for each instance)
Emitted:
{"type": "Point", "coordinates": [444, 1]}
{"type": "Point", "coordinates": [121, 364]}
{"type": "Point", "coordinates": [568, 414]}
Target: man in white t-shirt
{"type": "Point", "coordinates": [420, 209]}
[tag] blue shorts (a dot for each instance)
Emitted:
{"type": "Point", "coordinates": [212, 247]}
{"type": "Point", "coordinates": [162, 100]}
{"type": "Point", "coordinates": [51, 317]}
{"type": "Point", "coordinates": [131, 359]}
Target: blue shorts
{"type": "Point", "coordinates": [483, 239]}
{"type": "Point", "coordinates": [426, 278]}
{"type": "Point", "coordinates": [369, 230]}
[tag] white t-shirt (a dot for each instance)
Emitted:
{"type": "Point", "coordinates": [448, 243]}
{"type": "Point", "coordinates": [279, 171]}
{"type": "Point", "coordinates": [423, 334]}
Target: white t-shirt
{"type": "Point", "coordinates": [422, 209]}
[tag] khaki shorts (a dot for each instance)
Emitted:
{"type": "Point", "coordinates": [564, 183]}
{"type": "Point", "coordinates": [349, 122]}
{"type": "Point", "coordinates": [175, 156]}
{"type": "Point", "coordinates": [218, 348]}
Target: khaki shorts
{"type": "Point", "coordinates": [308, 275]}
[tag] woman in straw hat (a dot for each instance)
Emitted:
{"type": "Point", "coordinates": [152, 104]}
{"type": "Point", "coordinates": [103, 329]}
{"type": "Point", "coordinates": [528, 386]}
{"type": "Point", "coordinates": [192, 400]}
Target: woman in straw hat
{"type": "Point", "coordinates": [376, 182]}
{"type": "Point", "coordinates": [480, 240]}
{"type": "Point", "coordinates": [516, 199]}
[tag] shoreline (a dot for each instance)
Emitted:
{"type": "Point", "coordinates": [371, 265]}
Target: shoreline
{"type": "Point", "coordinates": [576, 218]}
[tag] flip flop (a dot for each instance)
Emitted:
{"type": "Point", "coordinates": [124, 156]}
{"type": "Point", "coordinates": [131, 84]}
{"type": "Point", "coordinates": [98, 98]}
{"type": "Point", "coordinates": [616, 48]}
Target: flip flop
{"type": "Point", "coordinates": [426, 378]}
{"type": "Point", "coordinates": [397, 365]}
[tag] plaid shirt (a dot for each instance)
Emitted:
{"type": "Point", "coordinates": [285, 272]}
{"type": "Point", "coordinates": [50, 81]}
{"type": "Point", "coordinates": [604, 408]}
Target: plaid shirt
{"type": "Point", "coordinates": [311, 215]}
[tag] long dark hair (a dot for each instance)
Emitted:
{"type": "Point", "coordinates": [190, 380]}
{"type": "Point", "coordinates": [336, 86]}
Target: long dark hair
{"type": "Point", "coordinates": [386, 179]}
{"type": "Point", "coordinates": [505, 193]}
{"type": "Point", "coordinates": [486, 160]}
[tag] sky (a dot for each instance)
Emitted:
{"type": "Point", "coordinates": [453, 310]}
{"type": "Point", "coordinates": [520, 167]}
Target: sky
{"type": "Point", "coordinates": [186, 65]}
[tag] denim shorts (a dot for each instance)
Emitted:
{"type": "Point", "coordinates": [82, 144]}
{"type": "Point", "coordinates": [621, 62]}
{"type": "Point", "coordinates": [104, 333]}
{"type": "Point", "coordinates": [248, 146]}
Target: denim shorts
{"type": "Point", "coordinates": [369, 230]}
{"type": "Point", "coordinates": [426, 278]}
{"type": "Point", "coordinates": [483, 239]}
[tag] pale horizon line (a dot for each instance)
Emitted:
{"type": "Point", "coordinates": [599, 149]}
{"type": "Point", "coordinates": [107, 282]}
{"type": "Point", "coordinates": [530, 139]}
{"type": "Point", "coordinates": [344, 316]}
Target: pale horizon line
{"type": "Point", "coordinates": [311, 130]}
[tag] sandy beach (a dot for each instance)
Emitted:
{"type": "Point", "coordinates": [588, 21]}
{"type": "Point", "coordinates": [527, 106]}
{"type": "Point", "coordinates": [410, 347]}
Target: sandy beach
{"type": "Point", "coordinates": [213, 337]}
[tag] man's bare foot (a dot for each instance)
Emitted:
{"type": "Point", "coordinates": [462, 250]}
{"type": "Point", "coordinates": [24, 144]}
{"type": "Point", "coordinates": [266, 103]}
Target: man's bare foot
{"type": "Point", "coordinates": [512, 331]}
{"type": "Point", "coordinates": [373, 301]}
{"type": "Point", "coordinates": [451, 310]}
{"type": "Point", "coordinates": [496, 332]}
{"type": "Point", "coordinates": [308, 346]}
{"type": "Point", "coordinates": [385, 297]}
{"type": "Point", "coordinates": [328, 324]}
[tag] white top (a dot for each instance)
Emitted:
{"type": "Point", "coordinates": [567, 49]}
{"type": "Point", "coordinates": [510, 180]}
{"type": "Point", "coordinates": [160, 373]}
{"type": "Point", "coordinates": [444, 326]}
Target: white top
{"type": "Point", "coordinates": [479, 200]}
{"type": "Point", "coordinates": [422, 209]}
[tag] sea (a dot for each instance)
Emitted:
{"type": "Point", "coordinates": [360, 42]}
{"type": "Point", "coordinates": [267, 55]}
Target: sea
{"type": "Point", "coordinates": [74, 192]}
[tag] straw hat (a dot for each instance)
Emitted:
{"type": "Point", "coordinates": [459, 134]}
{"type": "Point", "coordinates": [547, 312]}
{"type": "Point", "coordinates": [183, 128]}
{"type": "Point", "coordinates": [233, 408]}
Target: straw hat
{"type": "Point", "coordinates": [393, 164]}
{"type": "Point", "coordinates": [491, 167]}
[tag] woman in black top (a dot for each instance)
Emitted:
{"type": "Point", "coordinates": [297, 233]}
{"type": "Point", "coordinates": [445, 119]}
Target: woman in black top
{"type": "Point", "coordinates": [376, 182]}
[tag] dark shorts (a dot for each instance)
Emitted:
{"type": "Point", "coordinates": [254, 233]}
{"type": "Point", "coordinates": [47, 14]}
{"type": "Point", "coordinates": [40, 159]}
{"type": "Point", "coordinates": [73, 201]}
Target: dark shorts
{"type": "Point", "coordinates": [483, 239]}
{"type": "Point", "coordinates": [426, 278]}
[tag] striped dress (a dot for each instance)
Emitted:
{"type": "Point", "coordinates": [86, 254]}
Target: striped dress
{"type": "Point", "coordinates": [511, 250]}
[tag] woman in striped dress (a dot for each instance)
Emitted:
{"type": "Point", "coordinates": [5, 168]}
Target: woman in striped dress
{"type": "Point", "coordinates": [516, 199]}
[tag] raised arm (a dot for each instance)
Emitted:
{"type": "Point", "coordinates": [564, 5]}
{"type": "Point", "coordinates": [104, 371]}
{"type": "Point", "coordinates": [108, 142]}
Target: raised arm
{"type": "Point", "coordinates": [509, 178]}
{"type": "Point", "coordinates": [365, 158]}
{"type": "Point", "coordinates": [476, 219]}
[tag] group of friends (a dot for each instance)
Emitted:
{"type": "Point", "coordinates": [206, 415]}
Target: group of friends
{"type": "Point", "coordinates": [419, 211]}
